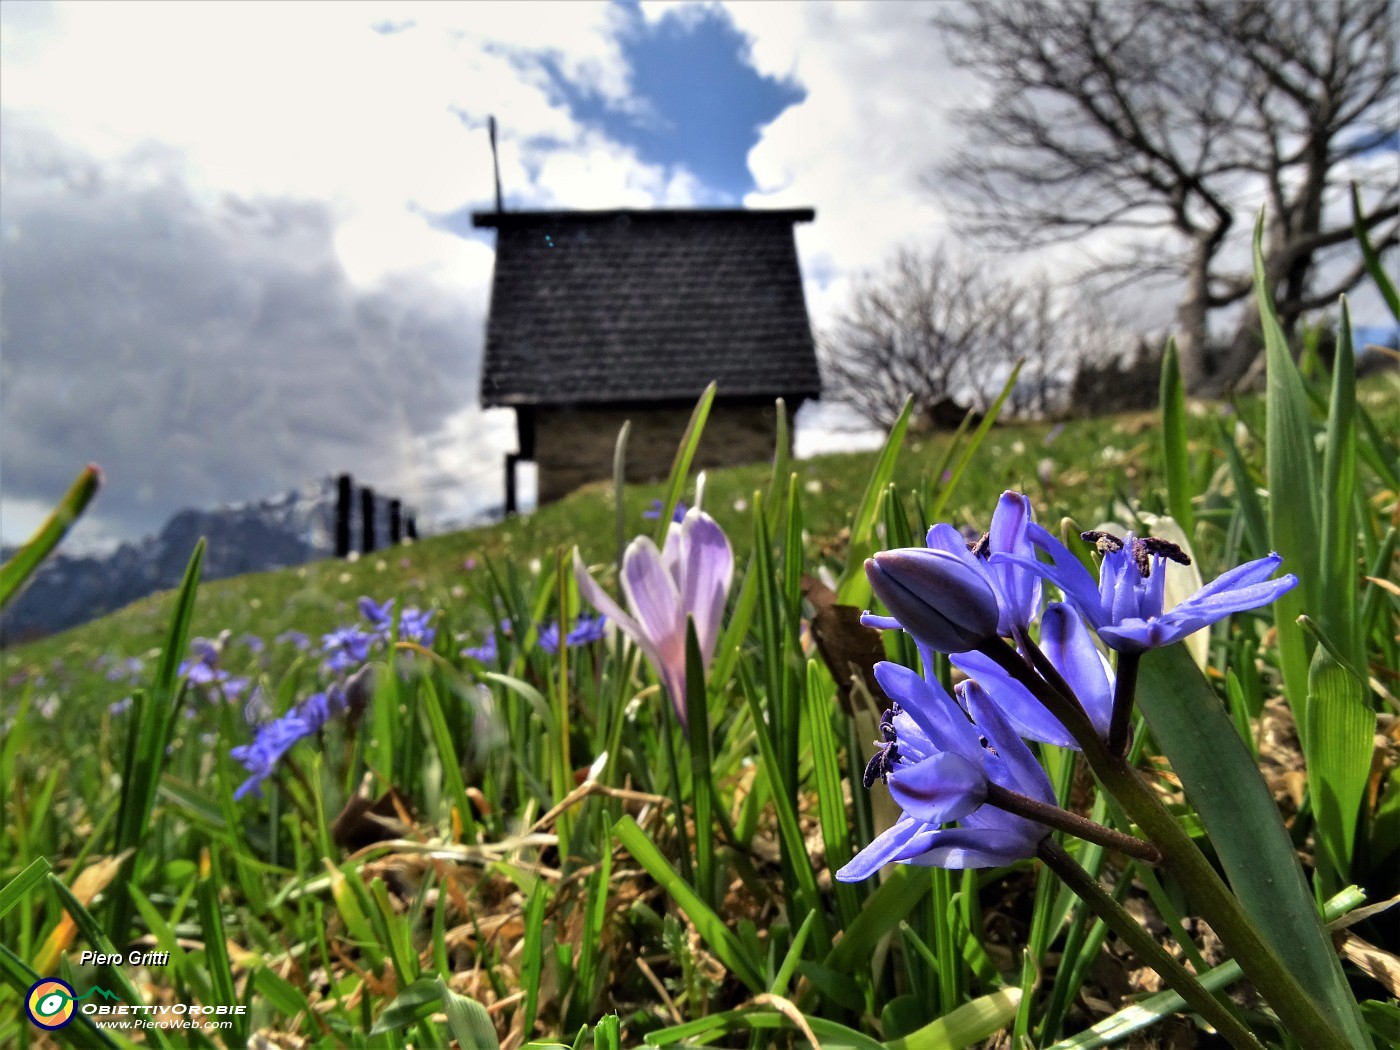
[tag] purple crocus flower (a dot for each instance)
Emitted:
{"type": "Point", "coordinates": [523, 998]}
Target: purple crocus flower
{"type": "Point", "coordinates": [1067, 644]}
{"type": "Point", "coordinates": [938, 769]}
{"type": "Point", "coordinates": [688, 576]}
{"type": "Point", "coordinates": [1125, 606]}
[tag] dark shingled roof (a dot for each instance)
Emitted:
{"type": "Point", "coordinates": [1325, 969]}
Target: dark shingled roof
{"type": "Point", "coordinates": [614, 306]}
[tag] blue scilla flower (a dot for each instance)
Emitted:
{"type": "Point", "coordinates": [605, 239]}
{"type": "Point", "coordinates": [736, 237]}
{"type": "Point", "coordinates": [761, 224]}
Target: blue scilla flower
{"type": "Point", "coordinates": [588, 629]}
{"type": "Point", "coordinates": [1125, 606]}
{"type": "Point", "coordinates": [413, 625]}
{"type": "Point", "coordinates": [486, 652]}
{"type": "Point", "coordinates": [939, 765]}
{"type": "Point", "coordinates": [346, 647]}
{"type": "Point", "coordinates": [946, 596]}
{"type": "Point", "coordinates": [274, 739]}
{"type": "Point", "coordinates": [1070, 648]}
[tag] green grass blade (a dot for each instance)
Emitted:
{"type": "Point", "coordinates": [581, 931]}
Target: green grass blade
{"type": "Point", "coordinates": [854, 588]}
{"type": "Point", "coordinates": [467, 1019]}
{"type": "Point", "coordinates": [1293, 487]}
{"type": "Point", "coordinates": [149, 737]}
{"type": "Point", "coordinates": [722, 941]}
{"type": "Point", "coordinates": [1341, 739]}
{"type": "Point", "coordinates": [707, 1029]}
{"type": "Point", "coordinates": [1175, 457]}
{"type": "Point", "coordinates": [620, 490]}
{"type": "Point", "coordinates": [1154, 1008]}
{"type": "Point", "coordinates": [447, 757]}
{"type": "Point", "coordinates": [92, 933]}
{"type": "Point", "coordinates": [17, 571]}
{"type": "Point", "coordinates": [533, 958]}
{"type": "Point", "coordinates": [974, 443]}
{"type": "Point", "coordinates": [19, 887]}
{"type": "Point", "coordinates": [1338, 598]}
{"type": "Point", "coordinates": [701, 772]}
{"type": "Point", "coordinates": [1247, 503]}
{"type": "Point", "coordinates": [790, 838]}
{"type": "Point", "coordinates": [967, 1024]}
{"type": "Point", "coordinates": [831, 806]}
{"type": "Point", "coordinates": [685, 454]}
{"type": "Point", "coordinates": [1225, 787]}
{"type": "Point", "coordinates": [1384, 284]}
{"type": "Point", "coordinates": [782, 457]}
{"type": "Point", "coordinates": [216, 959]}
{"type": "Point", "coordinates": [904, 887]}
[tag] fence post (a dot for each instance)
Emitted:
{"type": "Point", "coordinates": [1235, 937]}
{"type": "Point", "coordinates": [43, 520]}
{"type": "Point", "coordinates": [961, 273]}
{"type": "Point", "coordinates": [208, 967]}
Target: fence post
{"type": "Point", "coordinates": [395, 522]}
{"type": "Point", "coordinates": [366, 520]}
{"type": "Point", "coordinates": [411, 527]}
{"type": "Point", "coordinates": [343, 496]}
{"type": "Point", "coordinates": [511, 458]}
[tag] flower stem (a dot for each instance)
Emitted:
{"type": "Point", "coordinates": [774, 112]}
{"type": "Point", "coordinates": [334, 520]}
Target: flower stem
{"type": "Point", "coordinates": [1148, 950]}
{"type": "Point", "coordinates": [1072, 823]}
{"type": "Point", "coordinates": [1124, 691]}
{"type": "Point", "coordinates": [1217, 905]}
{"type": "Point", "coordinates": [1207, 891]}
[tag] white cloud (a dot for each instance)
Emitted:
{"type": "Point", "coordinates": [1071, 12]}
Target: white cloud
{"type": "Point", "coordinates": [259, 188]}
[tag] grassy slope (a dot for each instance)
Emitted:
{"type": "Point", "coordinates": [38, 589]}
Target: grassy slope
{"type": "Point", "coordinates": [1087, 463]}
{"type": "Point", "coordinates": [1105, 454]}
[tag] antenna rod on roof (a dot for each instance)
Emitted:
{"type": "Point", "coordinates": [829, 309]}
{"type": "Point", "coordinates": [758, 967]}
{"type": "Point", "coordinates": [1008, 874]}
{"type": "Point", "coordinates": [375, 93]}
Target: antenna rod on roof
{"type": "Point", "coordinates": [495, 161]}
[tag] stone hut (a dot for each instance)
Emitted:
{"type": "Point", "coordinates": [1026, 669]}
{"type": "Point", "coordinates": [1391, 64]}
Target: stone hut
{"type": "Point", "coordinates": [603, 316]}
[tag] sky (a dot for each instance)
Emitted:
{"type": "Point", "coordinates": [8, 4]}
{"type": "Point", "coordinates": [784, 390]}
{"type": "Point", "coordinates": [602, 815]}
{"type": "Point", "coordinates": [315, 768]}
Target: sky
{"type": "Point", "coordinates": [236, 252]}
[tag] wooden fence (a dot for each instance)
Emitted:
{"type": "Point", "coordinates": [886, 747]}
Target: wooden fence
{"type": "Point", "coordinates": [362, 506]}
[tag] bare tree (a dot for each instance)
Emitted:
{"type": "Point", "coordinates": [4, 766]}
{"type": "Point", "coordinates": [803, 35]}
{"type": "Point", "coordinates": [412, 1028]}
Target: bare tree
{"type": "Point", "coordinates": [1181, 117]}
{"type": "Point", "coordinates": [948, 331]}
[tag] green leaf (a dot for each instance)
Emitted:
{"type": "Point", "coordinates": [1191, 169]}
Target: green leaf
{"type": "Point", "coordinates": [1224, 786]}
{"type": "Point", "coordinates": [722, 941]}
{"type": "Point", "coordinates": [418, 1002]}
{"type": "Point", "coordinates": [17, 571]}
{"type": "Point", "coordinates": [680, 467]}
{"type": "Point", "coordinates": [1293, 487]}
{"type": "Point", "coordinates": [154, 720]}
{"type": "Point", "coordinates": [1374, 266]}
{"type": "Point", "coordinates": [701, 774]}
{"type": "Point", "coordinates": [19, 887]}
{"type": "Point", "coordinates": [467, 1020]}
{"type": "Point", "coordinates": [833, 1036]}
{"type": "Point", "coordinates": [1174, 453]}
{"type": "Point", "coordinates": [854, 588]}
{"type": "Point", "coordinates": [92, 933]}
{"type": "Point", "coordinates": [1154, 1008]}
{"type": "Point", "coordinates": [1341, 739]}
{"type": "Point", "coordinates": [1337, 602]}
{"type": "Point", "coordinates": [975, 442]}
{"type": "Point", "coordinates": [620, 490]}
{"type": "Point", "coordinates": [904, 887]}
{"type": "Point", "coordinates": [967, 1024]}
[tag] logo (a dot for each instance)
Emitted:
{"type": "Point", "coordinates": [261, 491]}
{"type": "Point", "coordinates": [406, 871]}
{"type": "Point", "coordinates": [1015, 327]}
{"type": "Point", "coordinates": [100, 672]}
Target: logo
{"type": "Point", "coordinates": [49, 1003]}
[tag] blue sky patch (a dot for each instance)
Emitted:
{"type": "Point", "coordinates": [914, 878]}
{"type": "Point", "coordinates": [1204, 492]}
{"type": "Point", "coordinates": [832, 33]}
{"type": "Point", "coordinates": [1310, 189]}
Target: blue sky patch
{"type": "Point", "coordinates": [700, 105]}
